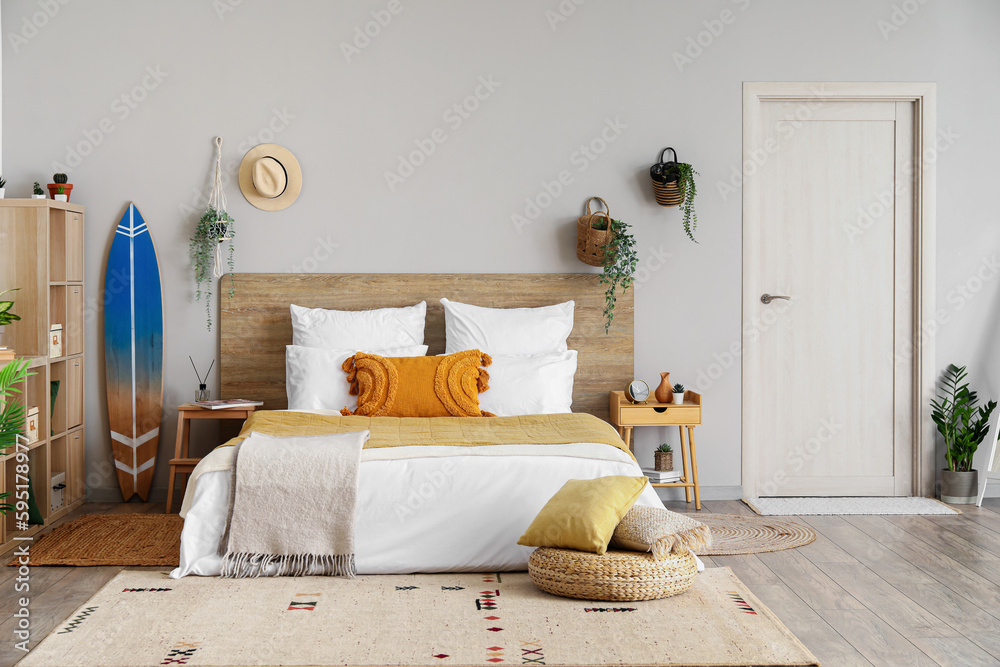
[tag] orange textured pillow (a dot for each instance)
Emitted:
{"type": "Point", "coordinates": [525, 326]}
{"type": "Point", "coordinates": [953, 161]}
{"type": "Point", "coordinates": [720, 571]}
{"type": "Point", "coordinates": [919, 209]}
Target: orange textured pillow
{"type": "Point", "coordinates": [446, 386]}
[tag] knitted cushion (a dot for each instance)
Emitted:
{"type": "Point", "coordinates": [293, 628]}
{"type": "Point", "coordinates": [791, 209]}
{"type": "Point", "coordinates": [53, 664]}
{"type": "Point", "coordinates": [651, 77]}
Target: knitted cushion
{"type": "Point", "coordinates": [660, 531]}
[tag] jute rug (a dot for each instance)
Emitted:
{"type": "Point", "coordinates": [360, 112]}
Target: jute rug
{"type": "Point", "coordinates": [111, 539]}
{"type": "Point", "coordinates": [143, 618]}
{"type": "Point", "coordinates": [736, 534]}
{"type": "Point", "coordinates": [823, 506]}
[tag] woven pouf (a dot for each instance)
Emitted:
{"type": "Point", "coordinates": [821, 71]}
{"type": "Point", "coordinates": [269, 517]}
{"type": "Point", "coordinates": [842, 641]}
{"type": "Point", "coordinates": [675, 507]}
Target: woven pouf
{"type": "Point", "coordinates": [616, 575]}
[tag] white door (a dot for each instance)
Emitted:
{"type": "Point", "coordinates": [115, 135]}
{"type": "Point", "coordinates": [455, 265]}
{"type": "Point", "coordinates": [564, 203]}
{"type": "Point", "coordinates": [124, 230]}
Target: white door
{"type": "Point", "coordinates": [830, 394]}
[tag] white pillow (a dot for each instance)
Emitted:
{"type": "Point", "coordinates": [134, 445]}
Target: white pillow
{"type": "Point", "coordinates": [314, 379]}
{"type": "Point", "coordinates": [507, 330]}
{"type": "Point", "coordinates": [379, 329]}
{"type": "Point", "coordinates": [530, 384]}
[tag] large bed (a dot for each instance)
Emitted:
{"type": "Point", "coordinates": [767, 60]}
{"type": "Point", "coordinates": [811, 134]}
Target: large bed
{"type": "Point", "coordinates": [427, 507]}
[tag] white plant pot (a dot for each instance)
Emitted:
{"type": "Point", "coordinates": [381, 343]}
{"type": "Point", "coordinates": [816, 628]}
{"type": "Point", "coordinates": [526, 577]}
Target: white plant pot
{"type": "Point", "coordinates": [61, 198]}
{"type": "Point", "coordinates": [38, 196]}
{"type": "Point", "coordinates": [2, 190]}
{"type": "Point", "coordinates": [678, 398]}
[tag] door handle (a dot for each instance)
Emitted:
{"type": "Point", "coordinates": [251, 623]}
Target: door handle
{"type": "Point", "coordinates": [768, 298]}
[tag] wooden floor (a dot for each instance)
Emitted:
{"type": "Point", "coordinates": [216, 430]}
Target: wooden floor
{"type": "Point", "coordinates": [908, 590]}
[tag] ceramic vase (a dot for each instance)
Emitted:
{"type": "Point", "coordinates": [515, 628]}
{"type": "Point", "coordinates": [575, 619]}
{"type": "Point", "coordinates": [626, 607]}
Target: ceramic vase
{"type": "Point", "coordinates": [665, 392]}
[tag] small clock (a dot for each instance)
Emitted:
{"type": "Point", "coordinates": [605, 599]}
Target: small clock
{"type": "Point", "coordinates": [637, 391]}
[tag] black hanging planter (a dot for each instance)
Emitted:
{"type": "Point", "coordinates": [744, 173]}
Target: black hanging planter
{"type": "Point", "coordinates": [666, 181]}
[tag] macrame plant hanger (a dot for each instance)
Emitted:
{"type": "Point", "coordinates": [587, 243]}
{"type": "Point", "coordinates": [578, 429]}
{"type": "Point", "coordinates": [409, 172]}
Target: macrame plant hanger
{"type": "Point", "coordinates": [217, 200]}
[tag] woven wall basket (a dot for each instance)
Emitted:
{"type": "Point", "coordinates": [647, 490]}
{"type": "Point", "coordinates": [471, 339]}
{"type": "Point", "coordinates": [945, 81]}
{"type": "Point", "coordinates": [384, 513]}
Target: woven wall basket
{"type": "Point", "coordinates": [667, 192]}
{"type": "Point", "coordinates": [590, 241]}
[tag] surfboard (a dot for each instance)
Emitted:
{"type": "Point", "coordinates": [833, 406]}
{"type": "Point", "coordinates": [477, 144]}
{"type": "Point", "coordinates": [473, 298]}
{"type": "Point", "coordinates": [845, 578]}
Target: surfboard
{"type": "Point", "coordinates": [133, 353]}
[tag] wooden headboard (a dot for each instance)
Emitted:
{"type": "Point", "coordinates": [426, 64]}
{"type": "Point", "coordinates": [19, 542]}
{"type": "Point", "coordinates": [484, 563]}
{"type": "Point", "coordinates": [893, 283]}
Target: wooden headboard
{"type": "Point", "coordinates": [256, 325]}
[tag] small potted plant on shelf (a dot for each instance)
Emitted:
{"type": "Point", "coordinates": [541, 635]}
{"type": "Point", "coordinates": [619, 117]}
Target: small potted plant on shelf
{"type": "Point", "coordinates": [6, 317]}
{"type": "Point", "coordinates": [678, 394]}
{"type": "Point", "coordinates": [963, 426]}
{"type": "Point", "coordinates": [663, 458]}
{"type": "Point", "coordinates": [205, 249]}
{"type": "Point", "coordinates": [620, 261]}
{"type": "Point", "coordinates": [60, 180]}
{"type": "Point", "coordinates": [61, 194]}
{"type": "Point", "coordinates": [37, 192]}
{"type": "Point", "coordinates": [3, 186]}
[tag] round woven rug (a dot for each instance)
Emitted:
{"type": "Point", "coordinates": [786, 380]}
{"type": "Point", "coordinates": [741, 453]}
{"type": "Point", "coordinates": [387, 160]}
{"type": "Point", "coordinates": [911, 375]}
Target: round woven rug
{"type": "Point", "coordinates": [738, 534]}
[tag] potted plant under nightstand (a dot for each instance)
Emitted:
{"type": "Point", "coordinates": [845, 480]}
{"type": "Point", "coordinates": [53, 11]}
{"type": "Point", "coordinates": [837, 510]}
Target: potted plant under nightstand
{"type": "Point", "coordinates": [964, 424]}
{"type": "Point", "coordinates": [663, 458]}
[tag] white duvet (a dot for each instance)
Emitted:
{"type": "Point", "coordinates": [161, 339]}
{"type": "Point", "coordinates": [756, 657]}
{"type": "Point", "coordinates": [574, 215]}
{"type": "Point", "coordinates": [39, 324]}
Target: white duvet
{"type": "Point", "coordinates": [424, 509]}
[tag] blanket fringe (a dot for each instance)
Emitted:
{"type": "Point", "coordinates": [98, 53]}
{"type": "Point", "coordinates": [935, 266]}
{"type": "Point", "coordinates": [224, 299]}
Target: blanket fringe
{"type": "Point", "coordinates": [696, 539]}
{"type": "Point", "coordinates": [248, 566]}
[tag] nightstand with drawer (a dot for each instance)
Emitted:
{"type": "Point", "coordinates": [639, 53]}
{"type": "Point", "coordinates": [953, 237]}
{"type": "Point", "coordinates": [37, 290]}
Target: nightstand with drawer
{"type": "Point", "coordinates": [685, 416]}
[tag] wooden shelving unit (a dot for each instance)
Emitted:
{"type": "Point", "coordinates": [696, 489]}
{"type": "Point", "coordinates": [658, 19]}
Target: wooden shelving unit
{"type": "Point", "coordinates": [41, 252]}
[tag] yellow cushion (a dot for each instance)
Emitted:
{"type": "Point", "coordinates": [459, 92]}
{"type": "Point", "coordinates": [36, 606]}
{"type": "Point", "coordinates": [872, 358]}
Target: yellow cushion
{"type": "Point", "coordinates": [584, 513]}
{"type": "Point", "coordinates": [445, 386]}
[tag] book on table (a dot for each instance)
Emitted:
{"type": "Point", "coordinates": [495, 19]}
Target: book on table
{"type": "Point", "coordinates": [228, 403]}
{"type": "Point", "coordinates": [662, 476]}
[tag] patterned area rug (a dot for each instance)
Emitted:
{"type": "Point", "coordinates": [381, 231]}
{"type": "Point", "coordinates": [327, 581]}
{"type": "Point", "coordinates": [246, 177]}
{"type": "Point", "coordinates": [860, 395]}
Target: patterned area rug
{"type": "Point", "coordinates": [143, 618]}
{"type": "Point", "coordinates": [130, 540]}
{"type": "Point", "coordinates": [738, 534]}
{"type": "Point", "coordinates": [822, 506]}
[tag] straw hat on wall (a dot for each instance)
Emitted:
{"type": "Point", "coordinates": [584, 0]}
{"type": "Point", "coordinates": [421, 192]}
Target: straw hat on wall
{"type": "Point", "coordinates": [270, 177]}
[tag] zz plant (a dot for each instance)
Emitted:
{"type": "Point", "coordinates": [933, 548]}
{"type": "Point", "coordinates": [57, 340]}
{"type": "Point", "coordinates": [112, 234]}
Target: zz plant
{"type": "Point", "coordinates": [214, 228]}
{"type": "Point", "coordinates": [960, 419]}
{"type": "Point", "coordinates": [620, 261]}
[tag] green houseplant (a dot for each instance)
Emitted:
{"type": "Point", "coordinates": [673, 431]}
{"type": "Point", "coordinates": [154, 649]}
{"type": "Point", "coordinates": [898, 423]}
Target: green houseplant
{"type": "Point", "coordinates": [620, 261]}
{"type": "Point", "coordinates": [678, 394]}
{"type": "Point", "coordinates": [684, 174]}
{"type": "Point", "coordinates": [12, 413]}
{"type": "Point", "coordinates": [60, 180]}
{"type": "Point", "coordinates": [6, 316]}
{"type": "Point", "coordinates": [205, 250]}
{"type": "Point", "coordinates": [37, 192]}
{"type": "Point", "coordinates": [963, 424]}
{"type": "Point", "coordinates": [663, 458]}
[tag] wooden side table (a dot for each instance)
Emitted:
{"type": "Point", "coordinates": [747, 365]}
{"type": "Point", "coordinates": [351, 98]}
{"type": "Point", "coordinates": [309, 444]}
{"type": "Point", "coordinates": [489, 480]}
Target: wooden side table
{"type": "Point", "coordinates": [182, 464]}
{"type": "Point", "coordinates": [625, 416]}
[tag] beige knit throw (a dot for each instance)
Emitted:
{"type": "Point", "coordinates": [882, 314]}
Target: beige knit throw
{"type": "Point", "coordinates": [660, 531]}
{"type": "Point", "coordinates": [291, 507]}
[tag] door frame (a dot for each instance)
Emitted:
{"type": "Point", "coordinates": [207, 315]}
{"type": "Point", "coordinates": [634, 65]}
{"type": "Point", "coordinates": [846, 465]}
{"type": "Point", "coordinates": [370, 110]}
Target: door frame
{"type": "Point", "coordinates": [922, 358]}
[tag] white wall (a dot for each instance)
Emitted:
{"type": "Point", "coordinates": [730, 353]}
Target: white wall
{"type": "Point", "coordinates": [279, 65]}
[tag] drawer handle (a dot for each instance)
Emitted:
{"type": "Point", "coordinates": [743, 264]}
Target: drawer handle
{"type": "Point", "coordinates": [660, 410]}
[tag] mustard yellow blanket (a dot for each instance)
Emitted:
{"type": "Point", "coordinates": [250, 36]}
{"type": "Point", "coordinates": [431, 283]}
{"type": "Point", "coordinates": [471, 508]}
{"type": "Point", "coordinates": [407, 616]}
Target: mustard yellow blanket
{"type": "Point", "coordinates": [556, 429]}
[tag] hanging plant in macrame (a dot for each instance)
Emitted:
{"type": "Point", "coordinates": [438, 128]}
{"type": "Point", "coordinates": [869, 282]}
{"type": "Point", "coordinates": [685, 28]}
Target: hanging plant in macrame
{"type": "Point", "coordinates": [215, 228]}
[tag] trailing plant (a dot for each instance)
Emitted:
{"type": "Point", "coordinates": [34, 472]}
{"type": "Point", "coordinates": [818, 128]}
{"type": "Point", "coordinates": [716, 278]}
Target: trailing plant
{"type": "Point", "coordinates": [959, 420]}
{"type": "Point", "coordinates": [678, 388]}
{"type": "Point", "coordinates": [620, 261]}
{"type": "Point", "coordinates": [60, 178]}
{"type": "Point", "coordinates": [214, 228]}
{"type": "Point", "coordinates": [6, 317]}
{"type": "Point", "coordinates": [12, 413]}
{"type": "Point", "coordinates": [689, 190]}
{"type": "Point", "coordinates": [38, 189]}
{"type": "Point", "coordinates": [665, 448]}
